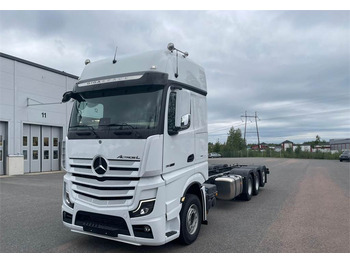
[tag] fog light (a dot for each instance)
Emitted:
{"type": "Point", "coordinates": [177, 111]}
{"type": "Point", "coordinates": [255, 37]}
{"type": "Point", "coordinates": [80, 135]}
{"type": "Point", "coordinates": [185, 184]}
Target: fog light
{"type": "Point", "coordinates": [145, 207]}
{"type": "Point", "coordinates": [144, 231]}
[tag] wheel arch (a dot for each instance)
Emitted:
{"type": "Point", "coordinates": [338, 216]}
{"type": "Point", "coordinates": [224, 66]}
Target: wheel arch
{"type": "Point", "coordinates": [193, 186]}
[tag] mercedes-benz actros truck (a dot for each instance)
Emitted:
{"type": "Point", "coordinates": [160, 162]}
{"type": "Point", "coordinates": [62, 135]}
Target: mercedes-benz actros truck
{"type": "Point", "coordinates": [136, 152]}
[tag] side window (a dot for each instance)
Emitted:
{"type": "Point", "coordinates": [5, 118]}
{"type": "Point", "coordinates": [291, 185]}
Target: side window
{"type": "Point", "coordinates": [172, 130]}
{"type": "Point", "coordinates": [179, 111]}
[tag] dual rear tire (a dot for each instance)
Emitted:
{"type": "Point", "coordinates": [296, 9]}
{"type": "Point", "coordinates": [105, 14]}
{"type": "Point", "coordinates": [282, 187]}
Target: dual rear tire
{"type": "Point", "coordinates": [248, 188]}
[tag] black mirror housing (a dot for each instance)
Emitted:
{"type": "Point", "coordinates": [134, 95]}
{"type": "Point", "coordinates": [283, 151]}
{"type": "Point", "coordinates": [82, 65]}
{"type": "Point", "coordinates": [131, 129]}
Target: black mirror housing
{"type": "Point", "coordinates": [67, 96]}
{"type": "Point", "coordinates": [70, 94]}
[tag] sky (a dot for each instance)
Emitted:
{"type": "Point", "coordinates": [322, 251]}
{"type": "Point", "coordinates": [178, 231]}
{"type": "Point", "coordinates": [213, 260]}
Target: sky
{"type": "Point", "coordinates": [290, 68]}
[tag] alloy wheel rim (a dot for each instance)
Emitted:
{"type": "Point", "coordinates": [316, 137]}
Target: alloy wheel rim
{"type": "Point", "coordinates": [192, 220]}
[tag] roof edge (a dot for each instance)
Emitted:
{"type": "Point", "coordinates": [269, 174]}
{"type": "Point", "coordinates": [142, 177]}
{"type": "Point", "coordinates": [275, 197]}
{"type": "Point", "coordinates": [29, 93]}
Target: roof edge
{"type": "Point", "coordinates": [37, 65]}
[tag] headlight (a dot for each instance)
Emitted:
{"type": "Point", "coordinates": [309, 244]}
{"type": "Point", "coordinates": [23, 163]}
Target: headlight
{"type": "Point", "coordinates": [144, 208]}
{"type": "Point", "coordinates": [66, 196]}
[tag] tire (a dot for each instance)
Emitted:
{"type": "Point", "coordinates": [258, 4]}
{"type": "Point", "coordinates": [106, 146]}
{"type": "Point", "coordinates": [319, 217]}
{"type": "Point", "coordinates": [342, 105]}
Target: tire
{"type": "Point", "coordinates": [248, 189]}
{"type": "Point", "coordinates": [262, 179]}
{"type": "Point", "coordinates": [190, 219]}
{"type": "Point", "coordinates": [256, 185]}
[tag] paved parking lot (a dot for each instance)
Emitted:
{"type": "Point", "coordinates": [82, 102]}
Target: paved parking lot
{"type": "Point", "coordinates": [303, 208]}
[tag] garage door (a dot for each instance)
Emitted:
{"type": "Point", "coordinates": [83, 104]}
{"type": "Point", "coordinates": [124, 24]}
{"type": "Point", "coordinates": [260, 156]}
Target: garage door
{"type": "Point", "coordinates": [41, 148]}
{"type": "Point", "coordinates": [3, 141]}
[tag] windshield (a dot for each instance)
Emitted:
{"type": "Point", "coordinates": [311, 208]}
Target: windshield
{"type": "Point", "coordinates": [132, 108]}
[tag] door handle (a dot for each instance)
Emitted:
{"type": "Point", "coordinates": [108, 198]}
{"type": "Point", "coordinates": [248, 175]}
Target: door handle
{"type": "Point", "coordinates": [190, 158]}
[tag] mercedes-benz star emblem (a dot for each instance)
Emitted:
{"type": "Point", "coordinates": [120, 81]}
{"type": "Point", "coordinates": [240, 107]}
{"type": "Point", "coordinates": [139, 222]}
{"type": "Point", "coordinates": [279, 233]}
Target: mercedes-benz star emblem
{"type": "Point", "coordinates": [100, 165]}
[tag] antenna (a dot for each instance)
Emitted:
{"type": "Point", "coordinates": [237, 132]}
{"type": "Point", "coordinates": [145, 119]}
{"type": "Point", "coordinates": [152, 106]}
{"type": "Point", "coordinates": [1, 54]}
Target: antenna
{"type": "Point", "coordinates": [171, 48]}
{"type": "Point", "coordinates": [115, 54]}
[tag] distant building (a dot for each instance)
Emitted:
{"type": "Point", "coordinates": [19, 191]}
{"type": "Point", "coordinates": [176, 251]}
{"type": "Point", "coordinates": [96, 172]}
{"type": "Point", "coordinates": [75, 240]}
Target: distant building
{"type": "Point", "coordinates": [278, 148]}
{"type": "Point", "coordinates": [339, 144]}
{"type": "Point", "coordinates": [263, 146]}
{"type": "Point", "coordinates": [304, 148]}
{"type": "Point", "coordinates": [326, 148]}
{"type": "Point", "coordinates": [286, 144]}
{"type": "Point", "coordinates": [33, 121]}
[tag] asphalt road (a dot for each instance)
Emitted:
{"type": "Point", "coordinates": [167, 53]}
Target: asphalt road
{"type": "Point", "coordinates": [304, 207]}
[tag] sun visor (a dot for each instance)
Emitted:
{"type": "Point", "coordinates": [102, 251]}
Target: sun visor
{"type": "Point", "coordinates": [119, 81]}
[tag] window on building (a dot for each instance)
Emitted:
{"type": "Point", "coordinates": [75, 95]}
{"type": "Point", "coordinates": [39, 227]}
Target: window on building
{"type": "Point", "coordinates": [55, 141]}
{"type": "Point", "coordinates": [35, 141]}
{"type": "Point", "coordinates": [46, 154]}
{"type": "Point", "coordinates": [46, 141]}
{"type": "Point", "coordinates": [25, 141]}
{"type": "Point", "coordinates": [55, 154]}
{"type": "Point", "coordinates": [25, 154]}
{"type": "Point", "coordinates": [35, 155]}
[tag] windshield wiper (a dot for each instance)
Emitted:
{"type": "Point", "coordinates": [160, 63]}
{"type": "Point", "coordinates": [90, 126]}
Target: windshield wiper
{"type": "Point", "coordinates": [132, 129]}
{"type": "Point", "coordinates": [122, 125]}
{"type": "Point", "coordinates": [90, 127]}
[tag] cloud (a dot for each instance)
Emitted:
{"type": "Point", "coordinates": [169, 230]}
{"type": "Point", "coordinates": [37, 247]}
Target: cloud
{"type": "Point", "coordinates": [292, 67]}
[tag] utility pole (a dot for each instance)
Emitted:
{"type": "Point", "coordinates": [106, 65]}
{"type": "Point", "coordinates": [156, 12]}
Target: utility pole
{"type": "Point", "coordinates": [257, 129]}
{"type": "Point", "coordinates": [245, 126]}
{"type": "Point", "coordinates": [256, 124]}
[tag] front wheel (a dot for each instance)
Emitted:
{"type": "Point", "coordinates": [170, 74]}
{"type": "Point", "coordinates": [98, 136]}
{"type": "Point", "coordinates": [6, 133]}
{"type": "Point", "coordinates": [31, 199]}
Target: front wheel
{"type": "Point", "coordinates": [190, 219]}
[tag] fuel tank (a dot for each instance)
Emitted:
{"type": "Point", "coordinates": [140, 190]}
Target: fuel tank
{"type": "Point", "coordinates": [229, 186]}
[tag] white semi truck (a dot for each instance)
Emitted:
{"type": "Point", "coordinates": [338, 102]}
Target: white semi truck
{"type": "Point", "coordinates": [136, 152]}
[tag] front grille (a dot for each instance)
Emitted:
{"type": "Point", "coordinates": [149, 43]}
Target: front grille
{"type": "Point", "coordinates": [114, 188]}
{"type": "Point", "coordinates": [102, 224]}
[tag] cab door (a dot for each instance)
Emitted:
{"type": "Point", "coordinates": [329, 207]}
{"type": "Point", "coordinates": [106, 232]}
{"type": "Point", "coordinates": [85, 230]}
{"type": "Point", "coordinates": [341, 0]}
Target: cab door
{"type": "Point", "coordinates": [179, 148]}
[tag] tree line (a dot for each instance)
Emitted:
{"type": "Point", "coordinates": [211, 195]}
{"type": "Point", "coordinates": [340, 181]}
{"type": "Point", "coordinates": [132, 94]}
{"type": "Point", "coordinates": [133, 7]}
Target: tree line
{"type": "Point", "coordinates": [235, 146]}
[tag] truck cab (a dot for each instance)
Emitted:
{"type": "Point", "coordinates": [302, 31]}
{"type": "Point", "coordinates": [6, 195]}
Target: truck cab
{"type": "Point", "coordinates": [136, 149]}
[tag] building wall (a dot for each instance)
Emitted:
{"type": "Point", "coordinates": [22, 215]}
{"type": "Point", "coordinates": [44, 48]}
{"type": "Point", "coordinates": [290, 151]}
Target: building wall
{"type": "Point", "coordinates": [22, 83]}
{"type": "Point", "coordinates": [304, 148]}
{"type": "Point", "coordinates": [285, 146]}
{"type": "Point", "coordinates": [340, 144]}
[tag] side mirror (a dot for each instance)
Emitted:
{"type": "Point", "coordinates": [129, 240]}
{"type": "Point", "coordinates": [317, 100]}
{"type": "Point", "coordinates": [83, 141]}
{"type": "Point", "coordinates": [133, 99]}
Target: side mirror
{"type": "Point", "coordinates": [185, 121]}
{"type": "Point", "coordinates": [70, 94]}
{"type": "Point", "coordinates": [67, 96]}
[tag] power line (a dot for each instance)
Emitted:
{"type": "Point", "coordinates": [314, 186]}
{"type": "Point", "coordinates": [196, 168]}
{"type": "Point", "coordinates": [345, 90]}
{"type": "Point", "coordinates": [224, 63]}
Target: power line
{"type": "Point", "coordinates": [223, 128]}
{"type": "Point", "coordinates": [256, 124]}
{"type": "Point", "coordinates": [285, 117]}
{"type": "Point", "coordinates": [315, 113]}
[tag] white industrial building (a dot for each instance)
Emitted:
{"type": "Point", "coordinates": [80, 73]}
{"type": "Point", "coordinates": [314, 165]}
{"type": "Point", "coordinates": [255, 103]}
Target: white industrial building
{"type": "Point", "coordinates": [32, 119]}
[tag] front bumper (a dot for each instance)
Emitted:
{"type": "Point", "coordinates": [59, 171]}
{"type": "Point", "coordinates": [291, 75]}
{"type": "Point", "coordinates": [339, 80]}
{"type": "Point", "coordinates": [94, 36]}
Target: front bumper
{"type": "Point", "coordinates": [114, 222]}
{"type": "Point", "coordinates": [123, 234]}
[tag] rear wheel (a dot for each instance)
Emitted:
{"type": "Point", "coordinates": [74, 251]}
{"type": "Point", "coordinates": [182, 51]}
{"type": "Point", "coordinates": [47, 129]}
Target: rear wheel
{"type": "Point", "coordinates": [262, 179]}
{"type": "Point", "coordinates": [191, 219]}
{"type": "Point", "coordinates": [247, 195]}
{"type": "Point", "coordinates": [256, 186]}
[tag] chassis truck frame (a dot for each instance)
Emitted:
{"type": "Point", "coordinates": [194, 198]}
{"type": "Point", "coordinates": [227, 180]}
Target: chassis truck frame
{"type": "Point", "coordinates": [136, 152]}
